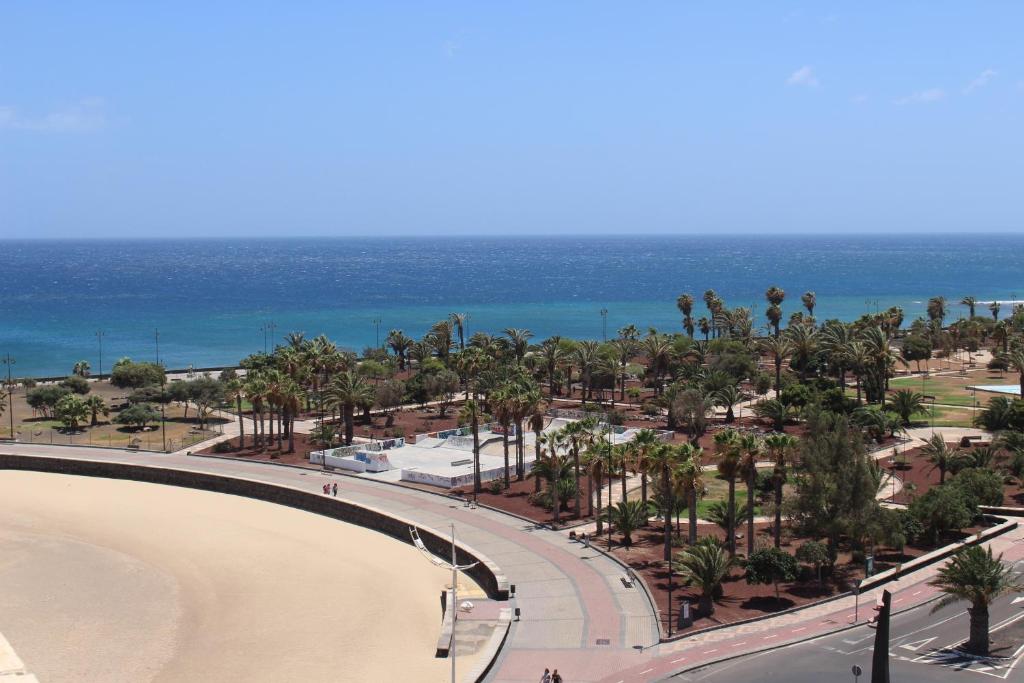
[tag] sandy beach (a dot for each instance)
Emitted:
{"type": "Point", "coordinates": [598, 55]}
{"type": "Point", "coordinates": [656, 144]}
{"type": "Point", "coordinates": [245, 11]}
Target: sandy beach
{"type": "Point", "coordinates": [124, 581]}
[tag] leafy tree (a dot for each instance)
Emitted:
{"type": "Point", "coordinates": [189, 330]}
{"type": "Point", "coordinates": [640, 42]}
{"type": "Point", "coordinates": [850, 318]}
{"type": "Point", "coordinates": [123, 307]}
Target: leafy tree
{"type": "Point", "coordinates": [916, 348]}
{"type": "Point", "coordinates": [974, 575]}
{"type": "Point", "coordinates": [130, 375]}
{"type": "Point", "coordinates": [940, 454]}
{"type": "Point", "coordinates": [76, 384]}
{"type": "Point", "coordinates": [626, 516]}
{"type": "Point", "coordinates": [71, 411]}
{"type": "Point", "coordinates": [770, 565]}
{"type": "Point", "coordinates": [796, 395]}
{"type": "Point", "coordinates": [346, 391]}
{"type": "Point", "coordinates": [940, 510]}
{"type": "Point", "coordinates": [979, 487]}
{"type": "Point", "coordinates": [44, 398]}
{"type": "Point", "coordinates": [704, 566]}
{"type": "Point", "coordinates": [138, 415]}
{"type": "Point", "coordinates": [814, 554]}
{"type": "Point", "coordinates": [775, 410]}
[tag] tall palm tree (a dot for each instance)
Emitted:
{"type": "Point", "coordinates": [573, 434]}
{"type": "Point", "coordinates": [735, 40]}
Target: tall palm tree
{"type": "Point", "coordinates": [727, 397]}
{"type": "Point", "coordinates": [970, 302]}
{"type": "Point", "coordinates": [586, 356]}
{"type": "Point", "coordinates": [750, 447]}
{"type": "Point", "coordinates": [97, 406]}
{"type": "Point", "coordinates": [554, 468]}
{"type": "Point", "coordinates": [346, 391]}
{"type": "Point", "coordinates": [81, 368]}
{"type": "Point", "coordinates": [1016, 361]}
{"type": "Point", "coordinates": [553, 356]}
{"type": "Point", "coordinates": [472, 414]}
{"type": "Point", "coordinates": [779, 348]}
{"type": "Point", "coordinates": [704, 566]}
{"type": "Point", "coordinates": [835, 342]}
{"type": "Point", "coordinates": [704, 325]}
{"type": "Point", "coordinates": [810, 300]}
{"type": "Point", "coordinates": [459, 321]}
{"type": "Point", "coordinates": [537, 425]}
{"type": "Point", "coordinates": [291, 404]}
{"type": "Point", "coordinates": [937, 309]}
{"type": "Point", "coordinates": [775, 296]}
{"type": "Point", "coordinates": [906, 403]}
{"type": "Point", "coordinates": [685, 305]}
{"type": "Point", "coordinates": [859, 359]}
{"type": "Point", "coordinates": [235, 390]}
{"type": "Point", "coordinates": [624, 350]}
{"type": "Point", "coordinates": [401, 344]}
{"type": "Point", "coordinates": [663, 459]}
{"type": "Point", "coordinates": [994, 308]}
{"type": "Point", "coordinates": [658, 350]}
{"type": "Point", "coordinates": [643, 443]}
{"type": "Point", "coordinates": [781, 448]}
{"type": "Point", "coordinates": [728, 450]}
{"type": "Point", "coordinates": [502, 402]}
{"type": "Point", "coordinates": [256, 390]}
{"type": "Point", "coordinates": [578, 437]}
{"type": "Point", "coordinates": [518, 341]}
{"type": "Point", "coordinates": [804, 341]}
{"type": "Point", "coordinates": [974, 575]}
{"type": "Point", "coordinates": [690, 476]}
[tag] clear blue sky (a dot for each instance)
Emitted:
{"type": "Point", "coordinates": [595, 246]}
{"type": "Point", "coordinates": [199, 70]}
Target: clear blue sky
{"type": "Point", "coordinates": [139, 119]}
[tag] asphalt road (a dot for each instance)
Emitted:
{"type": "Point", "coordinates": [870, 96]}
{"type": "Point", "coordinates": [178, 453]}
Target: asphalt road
{"type": "Point", "coordinates": [920, 650]}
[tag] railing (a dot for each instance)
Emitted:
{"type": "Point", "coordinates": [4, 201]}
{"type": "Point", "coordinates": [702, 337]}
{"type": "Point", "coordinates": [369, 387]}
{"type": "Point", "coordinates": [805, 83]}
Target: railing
{"type": "Point", "coordinates": [144, 441]}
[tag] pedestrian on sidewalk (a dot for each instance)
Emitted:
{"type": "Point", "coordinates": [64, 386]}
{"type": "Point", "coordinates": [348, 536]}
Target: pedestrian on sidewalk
{"type": "Point", "coordinates": [556, 677]}
{"type": "Point", "coordinates": [335, 489]}
{"type": "Point", "coordinates": [325, 489]}
{"type": "Point", "coordinates": [546, 678]}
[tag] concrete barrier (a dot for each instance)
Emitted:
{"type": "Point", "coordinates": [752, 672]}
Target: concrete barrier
{"type": "Point", "coordinates": [485, 573]}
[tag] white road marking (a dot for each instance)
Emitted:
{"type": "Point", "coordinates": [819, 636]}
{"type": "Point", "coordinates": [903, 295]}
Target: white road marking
{"type": "Point", "coordinates": [771, 636]}
{"type": "Point", "coordinates": [739, 644]}
{"type": "Point", "coordinates": [707, 652]}
{"type": "Point", "coordinates": [675, 661]}
{"type": "Point", "coordinates": [797, 630]}
{"type": "Point", "coordinates": [646, 672]}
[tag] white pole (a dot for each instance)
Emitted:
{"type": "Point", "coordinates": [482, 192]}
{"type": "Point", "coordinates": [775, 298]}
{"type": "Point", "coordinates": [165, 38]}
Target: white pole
{"type": "Point", "coordinates": [454, 607]}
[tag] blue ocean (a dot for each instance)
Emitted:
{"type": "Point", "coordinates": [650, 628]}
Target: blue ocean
{"type": "Point", "coordinates": [214, 301]}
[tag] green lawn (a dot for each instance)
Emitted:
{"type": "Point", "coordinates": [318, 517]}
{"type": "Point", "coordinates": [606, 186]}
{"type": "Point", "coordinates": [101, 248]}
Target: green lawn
{"type": "Point", "coordinates": [952, 389]}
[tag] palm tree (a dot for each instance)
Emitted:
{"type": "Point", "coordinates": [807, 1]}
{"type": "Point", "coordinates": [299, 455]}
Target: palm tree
{"type": "Point", "coordinates": [518, 341]}
{"type": "Point", "coordinates": [401, 345]}
{"type": "Point", "coordinates": [585, 356]}
{"type": "Point", "coordinates": [96, 406]}
{"type": "Point", "coordinates": [775, 297]}
{"type": "Point", "coordinates": [940, 454]}
{"type": "Point", "coordinates": [750, 446]}
{"type": "Point", "coordinates": [804, 340]}
{"type": "Point", "coordinates": [779, 348]}
{"type": "Point", "coordinates": [600, 460]}
{"type": "Point", "coordinates": [727, 397]}
{"type": "Point", "coordinates": [690, 477]}
{"type": "Point", "coordinates": [685, 305]}
{"type": "Point", "coordinates": [663, 459]}
{"type": "Point", "coordinates": [643, 443]}
{"type": "Point", "coordinates": [256, 390]}
{"type": "Point", "coordinates": [974, 575]}
{"type": "Point", "coordinates": [235, 390]}
{"type": "Point", "coordinates": [537, 425]}
{"type": "Point", "coordinates": [502, 403]}
{"type": "Point", "coordinates": [81, 368]}
{"type": "Point", "coordinates": [578, 437]}
{"type": "Point", "coordinates": [346, 391]}
{"type": "Point", "coordinates": [810, 300]}
{"type": "Point", "coordinates": [906, 404]}
{"type": "Point", "coordinates": [658, 350]}
{"type": "Point", "coordinates": [624, 350]}
{"type": "Point", "coordinates": [704, 566]}
{"type": "Point", "coordinates": [775, 410]}
{"type": "Point", "coordinates": [291, 403]}
{"type": "Point", "coordinates": [728, 449]}
{"type": "Point", "coordinates": [835, 342]}
{"type": "Point", "coordinates": [553, 356]}
{"type": "Point", "coordinates": [1016, 361]}
{"type": "Point", "coordinates": [937, 309]}
{"type": "Point", "coordinates": [555, 469]}
{"type": "Point", "coordinates": [459, 321]}
{"type": "Point", "coordinates": [970, 302]}
{"type": "Point", "coordinates": [781, 449]}
{"type": "Point", "coordinates": [472, 414]}
{"type": "Point", "coordinates": [994, 308]}
{"type": "Point", "coordinates": [626, 516]}
{"type": "Point", "coordinates": [704, 326]}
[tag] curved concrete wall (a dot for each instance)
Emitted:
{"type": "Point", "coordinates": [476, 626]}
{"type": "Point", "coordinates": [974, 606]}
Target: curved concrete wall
{"type": "Point", "coordinates": [485, 573]}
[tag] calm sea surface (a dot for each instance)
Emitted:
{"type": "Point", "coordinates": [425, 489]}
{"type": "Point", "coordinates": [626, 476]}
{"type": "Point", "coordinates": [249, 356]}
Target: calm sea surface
{"type": "Point", "coordinates": [210, 298]}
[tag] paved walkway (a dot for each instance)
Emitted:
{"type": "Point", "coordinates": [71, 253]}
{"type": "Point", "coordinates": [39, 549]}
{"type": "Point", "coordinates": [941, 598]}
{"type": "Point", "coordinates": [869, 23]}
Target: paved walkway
{"type": "Point", "coordinates": [571, 598]}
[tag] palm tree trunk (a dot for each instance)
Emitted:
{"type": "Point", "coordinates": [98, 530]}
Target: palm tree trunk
{"type": "Point", "coordinates": [751, 476]}
{"type": "Point", "coordinates": [778, 512]}
{"type": "Point", "coordinates": [476, 456]}
{"type": "Point", "coordinates": [504, 445]}
{"type": "Point", "coordinates": [590, 495]}
{"type": "Point", "coordinates": [731, 541]}
{"type": "Point", "coordinates": [241, 423]}
{"type": "Point", "coordinates": [778, 375]}
{"type": "Point", "coordinates": [643, 487]}
{"type": "Point", "coordinates": [623, 482]}
{"type": "Point", "coordinates": [576, 476]}
{"type": "Point", "coordinates": [693, 515]}
{"type": "Point", "coordinates": [349, 424]}
{"type": "Point", "coordinates": [536, 459]}
{"type": "Point", "coordinates": [667, 492]}
{"type": "Point", "coordinates": [978, 642]}
{"type": "Point", "coordinates": [291, 433]}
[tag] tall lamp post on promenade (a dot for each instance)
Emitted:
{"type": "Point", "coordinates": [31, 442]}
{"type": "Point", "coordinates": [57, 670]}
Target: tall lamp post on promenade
{"type": "Point", "coordinates": [376, 327]}
{"type": "Point", "coordinates": [604, 324]}
{"type": "Point", "coordinates": [100, 334]}
{"type": "Point", "coordinates": [455, 569]}
{"type": "Point", "coordinates": [8, 361]}
{"type": "Point", "coordinates": [156, 338]}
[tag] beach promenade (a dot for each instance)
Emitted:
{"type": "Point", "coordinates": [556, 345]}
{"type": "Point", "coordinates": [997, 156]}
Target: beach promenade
{"type": "Point", "coordinates": [577, 614]}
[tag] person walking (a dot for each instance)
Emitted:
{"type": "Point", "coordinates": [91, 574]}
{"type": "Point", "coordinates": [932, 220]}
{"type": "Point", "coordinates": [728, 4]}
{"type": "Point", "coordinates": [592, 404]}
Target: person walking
{"type": "Point", "coordinates": [335, 489]}
{"type": "Point", "coordinates": [325, 489]}
{"type": "Point", "coordinates": [546, 678]}
{"type": "Point", "coordinates": [556, 677]}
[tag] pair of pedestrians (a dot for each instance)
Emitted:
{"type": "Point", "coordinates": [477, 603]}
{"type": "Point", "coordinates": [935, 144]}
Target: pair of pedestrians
{"type": "Point", "coordinates": [549, 677]}
{"type": "Point", "coordinates": [329, 489]}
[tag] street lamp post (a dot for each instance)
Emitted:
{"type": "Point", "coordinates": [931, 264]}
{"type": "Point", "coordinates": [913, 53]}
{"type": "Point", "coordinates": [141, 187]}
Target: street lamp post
{"type": "Point", "coordinates": [604, 324]}
{"type": "Point", "coordinates": [100, 334]}
{"type": "Point", "coordinates": [376, 325]}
